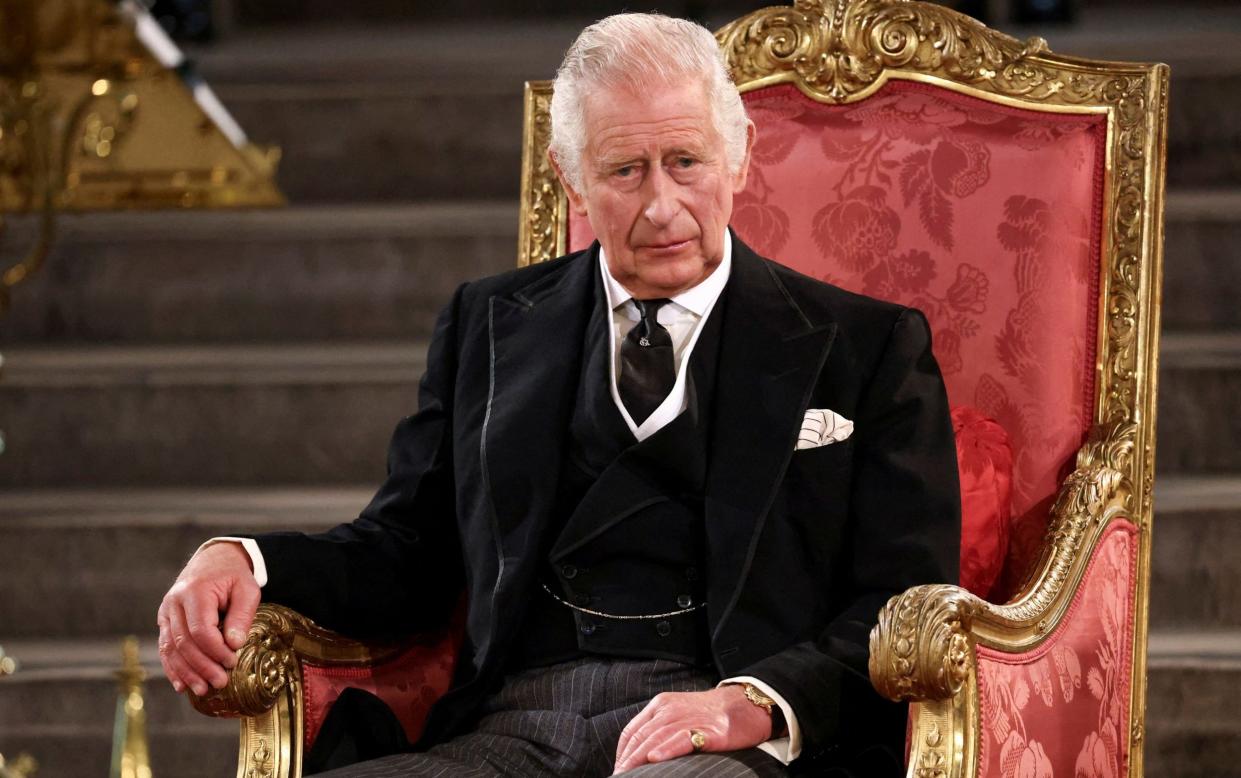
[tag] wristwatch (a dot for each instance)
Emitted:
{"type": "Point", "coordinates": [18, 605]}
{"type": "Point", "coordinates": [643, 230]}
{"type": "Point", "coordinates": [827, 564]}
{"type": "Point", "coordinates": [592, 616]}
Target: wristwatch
{"type": "Point", "coordinates": [778, 726]}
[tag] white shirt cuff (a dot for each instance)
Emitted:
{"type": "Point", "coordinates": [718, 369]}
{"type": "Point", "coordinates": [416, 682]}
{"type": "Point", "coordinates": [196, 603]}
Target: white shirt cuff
{"type": "Point", "coordinates": [785, 749]}
{"type": "Point", "coordinates": [256, 556]}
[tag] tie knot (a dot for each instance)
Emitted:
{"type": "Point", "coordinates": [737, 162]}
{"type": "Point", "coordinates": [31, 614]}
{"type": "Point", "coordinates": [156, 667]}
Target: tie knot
{"type": "Point", "coordinates": [649, 309]}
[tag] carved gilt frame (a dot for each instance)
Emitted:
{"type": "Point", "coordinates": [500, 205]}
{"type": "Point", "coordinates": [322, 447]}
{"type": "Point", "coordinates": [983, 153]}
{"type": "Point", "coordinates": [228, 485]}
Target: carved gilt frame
{"type": "Point", "coordinates": [841, 51]}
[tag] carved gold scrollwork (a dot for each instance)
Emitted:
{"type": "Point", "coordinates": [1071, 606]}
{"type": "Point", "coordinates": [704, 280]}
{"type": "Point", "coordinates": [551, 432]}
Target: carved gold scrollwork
{"type": "Point", "coordinates": [265, 666]}
{"type": "Point", "coordinates": [921, 647]}
{"type": "Point", "coordinates": [260, 761]}
{"type": "Point", "coordinates": [541, 234]}
{"type": "Point", "coordinates": [837, 51]}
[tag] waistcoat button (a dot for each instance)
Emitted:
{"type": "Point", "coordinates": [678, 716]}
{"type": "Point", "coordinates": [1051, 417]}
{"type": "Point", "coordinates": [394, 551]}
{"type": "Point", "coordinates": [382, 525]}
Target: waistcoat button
{"type": "Point", "coordinates": [569, 571]}
{"type": "Point", "coordinates": [588, 629]}
{"type": "Point", "coordinates": [664, 629]}
{"type": "Point", "coordinates": [684, 600]}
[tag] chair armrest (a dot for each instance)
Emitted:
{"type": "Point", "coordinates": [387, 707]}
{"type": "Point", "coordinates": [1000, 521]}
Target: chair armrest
{"type": "Point", "coordinates": [926, 645]}
{"type": "Point", "coordinates": [266, 688]}
{"type": "Point", "coordinates": [920, 648]}
{"type": "Point", "coordinates": [269, 662]}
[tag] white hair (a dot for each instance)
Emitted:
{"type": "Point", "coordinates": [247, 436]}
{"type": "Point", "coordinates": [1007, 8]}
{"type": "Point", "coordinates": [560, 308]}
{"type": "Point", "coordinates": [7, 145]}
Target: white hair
{"type": "Point", "coordinates": [630, 51]}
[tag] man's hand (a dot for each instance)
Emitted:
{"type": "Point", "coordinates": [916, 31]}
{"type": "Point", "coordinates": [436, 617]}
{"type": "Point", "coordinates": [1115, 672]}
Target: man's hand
{"type": "Point", "coordinates": [661, 731]}
{"type": "Point", "coordinates": [193, 648]}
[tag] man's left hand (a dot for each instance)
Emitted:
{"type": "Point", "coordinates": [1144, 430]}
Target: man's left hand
{"type": "Point", "coordinates": [662, 730]}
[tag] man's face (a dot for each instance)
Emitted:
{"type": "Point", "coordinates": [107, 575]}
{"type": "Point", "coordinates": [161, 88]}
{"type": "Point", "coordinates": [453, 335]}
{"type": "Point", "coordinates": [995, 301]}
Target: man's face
{"type": "Point", "coordinates": [656, 186]}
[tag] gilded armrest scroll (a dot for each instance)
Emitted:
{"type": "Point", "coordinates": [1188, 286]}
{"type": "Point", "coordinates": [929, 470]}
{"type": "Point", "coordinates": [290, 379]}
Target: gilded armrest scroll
{"type": "Point", "coordinates": [268, 663]}
{"type": "Point", "coordinates": [922, 646]}
{"type": "Point", "coordinates": [265, 665]}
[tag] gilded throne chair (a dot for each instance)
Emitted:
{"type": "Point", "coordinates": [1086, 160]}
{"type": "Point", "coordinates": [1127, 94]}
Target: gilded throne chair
{"type": "Point", "coordinates": [1015, 197]}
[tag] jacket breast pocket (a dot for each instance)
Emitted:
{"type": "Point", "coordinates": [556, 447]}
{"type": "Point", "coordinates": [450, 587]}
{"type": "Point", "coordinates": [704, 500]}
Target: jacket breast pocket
{"type": "Point", "coordinates": [823, 463]}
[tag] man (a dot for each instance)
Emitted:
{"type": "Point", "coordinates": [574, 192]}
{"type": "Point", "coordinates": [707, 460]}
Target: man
{"type": "Point", "coordinates": [676, 481]}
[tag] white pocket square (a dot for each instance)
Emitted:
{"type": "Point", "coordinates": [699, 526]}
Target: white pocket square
{"type": "Point", "coordinates": [822, 426]}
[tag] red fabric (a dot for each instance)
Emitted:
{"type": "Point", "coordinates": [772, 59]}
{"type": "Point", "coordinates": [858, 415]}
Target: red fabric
{"type": "Point", "coordinates": [985, 465]}
{"type": "Point", "coordinates": [1063, 708]}
{"type": "Point", "coordinates": [985, 217]}
{"type": "Point", "coordinates": [409, 683]}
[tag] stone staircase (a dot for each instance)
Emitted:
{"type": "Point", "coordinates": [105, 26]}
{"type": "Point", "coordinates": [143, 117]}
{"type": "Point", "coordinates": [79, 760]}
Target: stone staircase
{"type": "Point", "coordinates": [172, 376]}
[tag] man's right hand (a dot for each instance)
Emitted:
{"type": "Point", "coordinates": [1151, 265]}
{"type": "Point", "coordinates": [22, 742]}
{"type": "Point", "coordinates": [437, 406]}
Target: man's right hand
{"type": "Point", "coordinates": [195, 649]}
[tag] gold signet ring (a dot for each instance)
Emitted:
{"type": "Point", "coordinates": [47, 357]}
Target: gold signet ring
{"type": "Point", "coordinates": [697, 739]}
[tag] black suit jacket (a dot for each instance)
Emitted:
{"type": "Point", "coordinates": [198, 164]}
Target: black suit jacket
{"type": "Point", "coordinates": [803, 548]}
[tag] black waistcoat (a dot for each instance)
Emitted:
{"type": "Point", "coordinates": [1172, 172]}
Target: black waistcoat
{"type": "Point", "coordinates": [627, 537]}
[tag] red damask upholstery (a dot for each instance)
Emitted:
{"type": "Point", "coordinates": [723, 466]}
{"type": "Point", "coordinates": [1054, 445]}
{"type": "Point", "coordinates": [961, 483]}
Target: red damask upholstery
{"type": "Point", "coordinates": [984, 217]}
{"type": "Point", "coordinates": [1062, 708]}
{"type": "Point", "coordinates": [409, 683]}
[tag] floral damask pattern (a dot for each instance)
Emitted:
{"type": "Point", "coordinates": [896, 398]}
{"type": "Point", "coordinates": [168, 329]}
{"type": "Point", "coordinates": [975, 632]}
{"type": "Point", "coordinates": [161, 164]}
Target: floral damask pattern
{"type": "Point", "coordinates": [985, 217]}
{"type": "Point", "coordinates": [1037, 721]}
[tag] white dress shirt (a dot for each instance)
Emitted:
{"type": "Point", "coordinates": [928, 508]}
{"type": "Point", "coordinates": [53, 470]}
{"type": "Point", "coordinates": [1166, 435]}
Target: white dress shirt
{"type": "Point", "coordinates": [683, 319]}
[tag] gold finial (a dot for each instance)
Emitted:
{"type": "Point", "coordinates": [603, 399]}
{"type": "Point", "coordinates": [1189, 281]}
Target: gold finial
{"type": "Point", "coordinates": [130, 755]}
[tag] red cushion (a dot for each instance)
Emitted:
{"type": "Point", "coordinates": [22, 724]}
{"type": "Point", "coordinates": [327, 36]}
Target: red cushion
{"type": "Point", "coordinates": [985, 464]}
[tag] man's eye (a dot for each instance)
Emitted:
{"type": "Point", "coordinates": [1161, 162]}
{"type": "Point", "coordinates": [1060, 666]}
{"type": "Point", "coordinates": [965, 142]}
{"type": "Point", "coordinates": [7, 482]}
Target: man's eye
{"type": "Point", "coordinates": [624, 171]}
{"type": "Point", "coordinates": [685, 162]}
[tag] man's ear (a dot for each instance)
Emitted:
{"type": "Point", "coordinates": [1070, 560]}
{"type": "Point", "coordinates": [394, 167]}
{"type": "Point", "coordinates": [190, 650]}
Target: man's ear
{"type": "Point", "coordinates": [576, 201]}
{"type": "Point", "coordinates": [739, 179]}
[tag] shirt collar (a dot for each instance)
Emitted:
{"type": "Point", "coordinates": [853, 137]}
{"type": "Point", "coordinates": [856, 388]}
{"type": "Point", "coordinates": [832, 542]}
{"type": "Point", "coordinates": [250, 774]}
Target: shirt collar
{"type": "Point", "coordinates": [698, 299]}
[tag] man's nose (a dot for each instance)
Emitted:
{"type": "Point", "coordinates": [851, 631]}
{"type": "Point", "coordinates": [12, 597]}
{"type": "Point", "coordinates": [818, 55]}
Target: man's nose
{"type": "Point", "coordinates": [661, 198]}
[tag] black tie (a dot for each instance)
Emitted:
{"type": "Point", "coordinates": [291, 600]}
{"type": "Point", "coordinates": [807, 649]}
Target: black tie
{"type": "Point", "coordinates": [648, 368]}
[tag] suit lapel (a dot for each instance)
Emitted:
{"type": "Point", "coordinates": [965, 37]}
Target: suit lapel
{"type": "Point", "coordinates": [536, 340]}
{"type": "Point", "coordinates": [772, 355]}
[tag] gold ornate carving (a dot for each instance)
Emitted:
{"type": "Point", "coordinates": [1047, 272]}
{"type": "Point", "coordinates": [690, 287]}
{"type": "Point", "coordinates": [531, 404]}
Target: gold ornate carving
{"type": "Point", "coordinates": [921, 647]}
{"type": "Point", "coordinates": [933, 763]}
{"type": "Point", "coordinates": [72, 136]}
{"type": "Point", "coordinates": [840, 50]}
{"type": "Point", "coordinates": [544, 208]}
{"type": "Point", "coordinates": [261, 764]}
{"type": "Point", "coordinates": [266, 665]}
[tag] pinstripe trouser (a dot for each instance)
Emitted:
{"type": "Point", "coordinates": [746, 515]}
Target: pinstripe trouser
{"type": "Point", "coordinates": [565, 720]}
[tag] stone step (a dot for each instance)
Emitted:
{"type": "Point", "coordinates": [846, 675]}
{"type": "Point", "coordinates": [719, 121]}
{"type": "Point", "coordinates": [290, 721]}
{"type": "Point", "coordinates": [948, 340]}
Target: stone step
{"type": "Point", "coordinates": [127, 546]}
{"type": "Point", "coordinates": [315, 414]}
{"type": "Point", "coordinates": [302, 273]}
{"type": "Point", "coordinates": [123, 548]}
{"type": "Point", "coordinates": [289, 13]}
{"type": "Point", "coordinates": [1199, 383]}
{"type": "Point", "coordinates": [432, 111]}
{"type": "Point", "coordinates": [59, 707]}
{"type": "Point", "coordinates": [241, 415]}
{"type": "Point", "coordinates": [383, 270]}
{"type": "Point", "coordinates": [1195, 581]}
{"type": "Point", "coordinates": [1202, 277]}
{"type": "Point", "coordinates": [1193, 722]}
